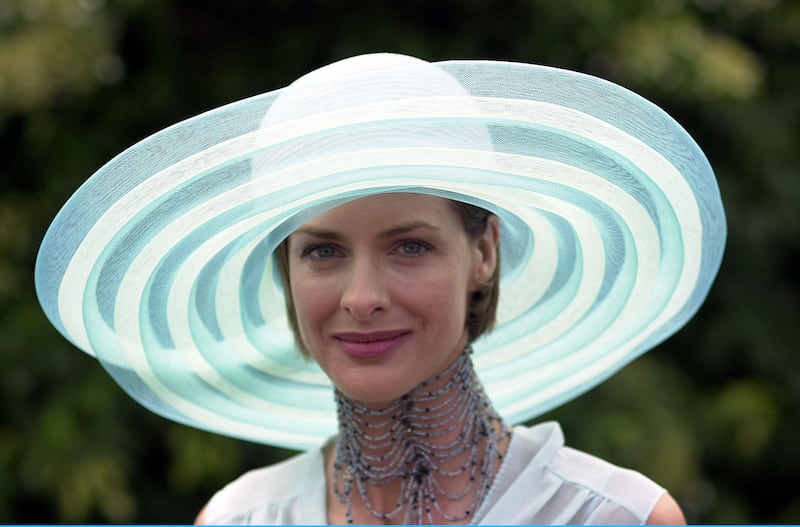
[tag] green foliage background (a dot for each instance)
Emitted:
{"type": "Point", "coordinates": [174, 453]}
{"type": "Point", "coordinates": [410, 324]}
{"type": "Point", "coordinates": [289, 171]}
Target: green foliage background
{"type": "Point", "coordinates": [712, 414]}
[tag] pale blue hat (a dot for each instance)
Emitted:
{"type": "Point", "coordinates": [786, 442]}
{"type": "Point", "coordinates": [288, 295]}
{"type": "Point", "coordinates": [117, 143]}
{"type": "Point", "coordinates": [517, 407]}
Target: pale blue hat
{"type": "Point", "coordinates": [160, 265]}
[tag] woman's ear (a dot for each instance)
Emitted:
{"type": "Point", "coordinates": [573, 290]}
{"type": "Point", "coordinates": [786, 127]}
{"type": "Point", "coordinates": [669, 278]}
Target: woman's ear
{"type": "Point", "coordinates": [485, 252]}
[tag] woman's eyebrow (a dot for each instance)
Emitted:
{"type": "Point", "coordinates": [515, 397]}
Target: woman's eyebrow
{"type": "Point", "coordinates": [397, 230]}
{"type": "Point", "coordinates": [406, 227]}
{"type": "Point", "coordinates": [319, 233]}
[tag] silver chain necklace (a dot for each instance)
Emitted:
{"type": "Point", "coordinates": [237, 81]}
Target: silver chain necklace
{"type": "Point", "coordinates": [406, 443]}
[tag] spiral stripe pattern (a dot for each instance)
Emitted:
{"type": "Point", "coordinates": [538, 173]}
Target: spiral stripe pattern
{"type": "Point", "coordinates": [160, 265]}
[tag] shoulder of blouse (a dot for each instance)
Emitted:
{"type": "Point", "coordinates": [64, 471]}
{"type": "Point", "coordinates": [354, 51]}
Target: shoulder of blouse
{"type": "Point", "coordinates": [275, 485]}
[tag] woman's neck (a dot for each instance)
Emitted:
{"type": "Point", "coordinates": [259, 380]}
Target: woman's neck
{"type": "Point", "coordinates": [428, 457]}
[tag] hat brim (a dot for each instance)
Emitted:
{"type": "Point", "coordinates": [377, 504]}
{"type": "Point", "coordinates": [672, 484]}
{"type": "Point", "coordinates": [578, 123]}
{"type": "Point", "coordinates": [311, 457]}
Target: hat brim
{"type": "Point", "coordinates": [160, 265]}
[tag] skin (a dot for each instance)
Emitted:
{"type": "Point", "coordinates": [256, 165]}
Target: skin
{"type": "Point", "coordinates": [666, 512]}
{"type": "Point", "coordinates": [381, 286]}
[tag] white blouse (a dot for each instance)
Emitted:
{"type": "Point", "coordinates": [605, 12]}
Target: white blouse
{"type": "Point", "coordinates": [539, 482]}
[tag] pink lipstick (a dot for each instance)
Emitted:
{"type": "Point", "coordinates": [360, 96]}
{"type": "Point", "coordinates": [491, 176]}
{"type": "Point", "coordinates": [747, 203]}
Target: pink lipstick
{"type": "Point", "coordinates": [370, 345]}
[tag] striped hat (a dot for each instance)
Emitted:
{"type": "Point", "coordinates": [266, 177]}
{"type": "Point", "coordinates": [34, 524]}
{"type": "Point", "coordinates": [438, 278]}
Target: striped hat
{"type": "Point", "coordinates": [161, 265]}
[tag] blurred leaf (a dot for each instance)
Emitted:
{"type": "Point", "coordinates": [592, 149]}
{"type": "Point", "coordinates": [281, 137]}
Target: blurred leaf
{"type": "Point", "coordinates": [198, 458]}
{"type": "Point", "coordinates": [681, 58]}
{"type": "Point", "coordinates": [54, 47]}
{"type": "Point", "coordinates": [745, 414]}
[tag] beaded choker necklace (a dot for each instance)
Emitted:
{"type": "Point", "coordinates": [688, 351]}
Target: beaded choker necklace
{"type": "Point", "coordinates": [442, 432]}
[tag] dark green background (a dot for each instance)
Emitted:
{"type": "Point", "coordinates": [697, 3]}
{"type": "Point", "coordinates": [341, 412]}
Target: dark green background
{"type": "Point", "coordinates": [712, 414]}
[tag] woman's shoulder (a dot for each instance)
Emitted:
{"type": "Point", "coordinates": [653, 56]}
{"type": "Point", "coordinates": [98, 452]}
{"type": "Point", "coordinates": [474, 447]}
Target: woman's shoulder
{"type": "Point", "coordinates": [621, 495]}
{"type": "Point", "coordinates": [267, 490]}
{"type": "Point", "coordinates": [578, 467]}
{"type": "Point", "coordinates": [273, 481]}
{"type": "Point", "coordinates": [570, 486]}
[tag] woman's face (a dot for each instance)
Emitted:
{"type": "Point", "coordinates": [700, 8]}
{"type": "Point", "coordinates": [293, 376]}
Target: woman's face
{"type": "Point", "coordinates": [380, 288]}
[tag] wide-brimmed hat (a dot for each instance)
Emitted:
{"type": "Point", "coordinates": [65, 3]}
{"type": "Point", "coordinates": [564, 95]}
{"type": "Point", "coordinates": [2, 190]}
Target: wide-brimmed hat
{"type": "Point", "coordinates": [160, 265]}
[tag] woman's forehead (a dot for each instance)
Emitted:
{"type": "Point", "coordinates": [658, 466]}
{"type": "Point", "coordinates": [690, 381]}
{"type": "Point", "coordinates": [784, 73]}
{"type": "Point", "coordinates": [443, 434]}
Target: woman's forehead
{"type": "Point", "coordinates": [397, 209]}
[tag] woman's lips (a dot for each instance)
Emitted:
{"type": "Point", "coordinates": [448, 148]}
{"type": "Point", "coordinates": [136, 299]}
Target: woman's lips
{"type": "Point", "coordinates": [371, 345]}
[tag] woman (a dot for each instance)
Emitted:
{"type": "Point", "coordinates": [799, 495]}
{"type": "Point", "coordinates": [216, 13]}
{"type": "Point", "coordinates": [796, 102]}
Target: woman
{"type": "Point", "coordinates": [383, 185]}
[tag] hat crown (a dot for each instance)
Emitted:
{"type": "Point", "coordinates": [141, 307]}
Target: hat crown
{"type": "Point", "coordinates": [356, 83]}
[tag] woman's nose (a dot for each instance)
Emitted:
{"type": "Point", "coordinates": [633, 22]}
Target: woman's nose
{"type": "Point", "coordinates": [365, 293]}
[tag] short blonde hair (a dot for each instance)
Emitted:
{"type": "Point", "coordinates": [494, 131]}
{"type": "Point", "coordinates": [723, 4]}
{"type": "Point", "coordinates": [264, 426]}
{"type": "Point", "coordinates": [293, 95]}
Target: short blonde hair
{"type": "Point", "coordinates": [482, 308]}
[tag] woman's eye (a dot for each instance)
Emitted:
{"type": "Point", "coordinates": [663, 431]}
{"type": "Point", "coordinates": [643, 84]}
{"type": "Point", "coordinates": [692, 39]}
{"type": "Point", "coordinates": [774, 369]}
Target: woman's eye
{"type": "Point", "coordinates": [414, 248]}
{"type": "Point", "coordinates": [319, 252]}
